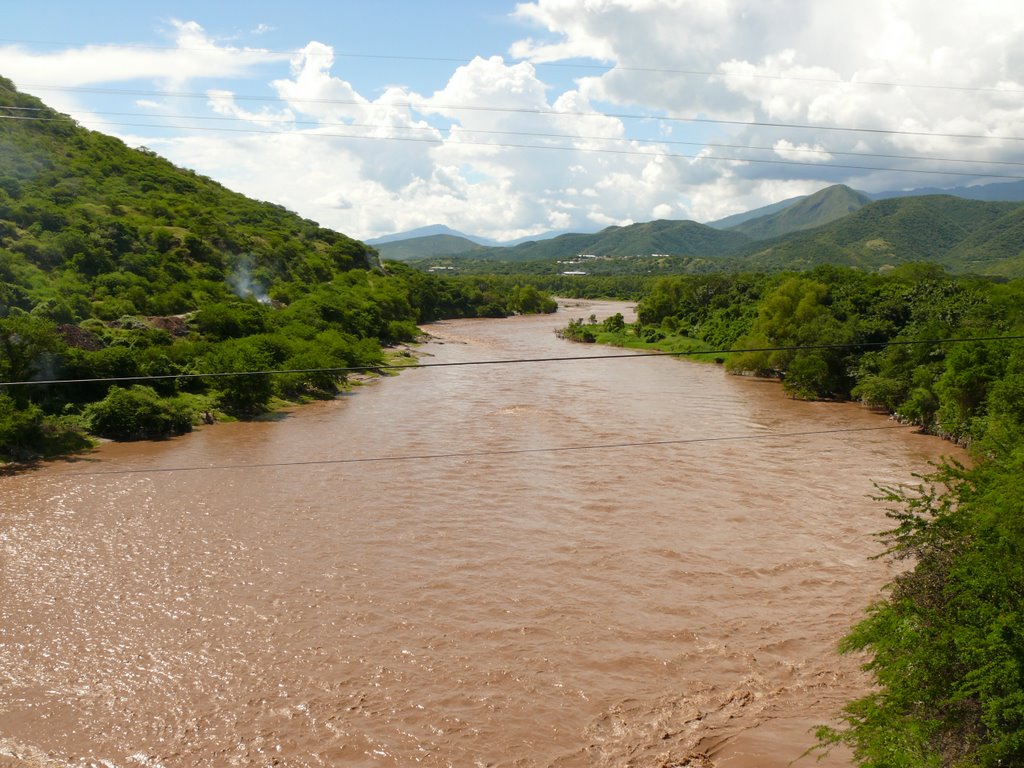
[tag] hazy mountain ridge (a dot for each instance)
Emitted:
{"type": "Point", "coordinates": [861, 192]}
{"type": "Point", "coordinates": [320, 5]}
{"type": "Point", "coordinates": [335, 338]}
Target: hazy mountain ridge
{"type": "Point", "coordinates": [773, 220]}
{"type": "Point", "coordinates": [973, 236]}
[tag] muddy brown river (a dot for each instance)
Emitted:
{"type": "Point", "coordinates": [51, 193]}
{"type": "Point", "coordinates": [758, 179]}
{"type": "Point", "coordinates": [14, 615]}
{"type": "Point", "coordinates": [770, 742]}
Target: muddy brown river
{"type": "Point", "coordinates": [609, 562]}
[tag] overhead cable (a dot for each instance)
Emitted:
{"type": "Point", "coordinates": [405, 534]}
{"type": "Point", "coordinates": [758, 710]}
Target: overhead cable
{"type": "Point", "coordinates": [605, 68]}
{"type": "Point", "coordinates": [481, 453]}
{"type": "Point", "coordinates": [558, 148]}
{"type": "Point", "coordinates": [341, 370]}
{"type": "Point", "coordinates": [432, 107]}
{"type": "Point", "coordinates": [535, 134]}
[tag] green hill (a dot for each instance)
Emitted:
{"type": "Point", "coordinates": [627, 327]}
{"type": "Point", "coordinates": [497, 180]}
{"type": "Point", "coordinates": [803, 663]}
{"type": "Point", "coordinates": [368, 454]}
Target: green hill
{"type": "Point", "coordinates": [966, 236]}
{"type": "Point", "coordinates": [822, 207]}
{"type": "Point", "coordinates": [676, 238]}
{"type": "Point", "coordinates": [127, 232]}
{"type": "Point", "coordinates": [731, 222]}
{"type": "Point", "coordinates": [997, 249]}
{"type": "Point", "coordinates": [936, 229]}
{"type": "Point", "coordinates": [116, 267]}
{"type": "Point", "coordinates": [427, 246]}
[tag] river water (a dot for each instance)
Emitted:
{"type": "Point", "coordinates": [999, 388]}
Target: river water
{"type": "Point", "coordinates": [616, 562]}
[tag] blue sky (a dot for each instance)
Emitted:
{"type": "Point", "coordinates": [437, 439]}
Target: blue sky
{"type": "Point", "coordinates": [508, 119]}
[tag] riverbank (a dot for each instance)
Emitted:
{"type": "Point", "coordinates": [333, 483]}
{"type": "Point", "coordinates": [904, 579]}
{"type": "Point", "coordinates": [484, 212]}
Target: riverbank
{"type": "Point", "coordinates": [575, 564]}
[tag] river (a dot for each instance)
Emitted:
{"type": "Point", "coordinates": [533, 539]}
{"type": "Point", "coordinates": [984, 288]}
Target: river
{"type": "Point", "coordinates": [606, 562]}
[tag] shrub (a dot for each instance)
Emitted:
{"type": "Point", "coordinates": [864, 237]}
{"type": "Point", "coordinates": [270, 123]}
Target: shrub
{"type": "Point", "coordinates": [138, 413]}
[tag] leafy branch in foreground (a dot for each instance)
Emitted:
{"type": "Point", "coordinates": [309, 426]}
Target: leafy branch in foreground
{"type": "Point", "coordinates": [947, 646]}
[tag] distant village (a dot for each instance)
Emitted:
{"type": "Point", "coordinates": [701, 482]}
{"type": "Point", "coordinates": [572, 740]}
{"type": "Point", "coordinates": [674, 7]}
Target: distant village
{"type": "Point", "coordinates": [582, 258]}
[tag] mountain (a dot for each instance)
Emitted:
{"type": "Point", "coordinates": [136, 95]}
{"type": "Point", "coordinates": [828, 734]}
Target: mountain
{"type": "Point", "coordinates": [428, 246]}
{"type": "Point", "coordinates": [822, 207]}
{"type": "Point", "coordinates": [942, 229]}
{"type": "Point", "coordinates": [966, 236]}
{"type": "Point", "coordinates": [433, 230]}
{"type": "Point", "coordinates": [1012, 191]}
{"type": "Point", "coordinates": [439, 240]}
{"type": "Point", "coordinates": [730, 222]}
{"type": "Point", "coordinates": [100, 230]}
{"type": "Point", "coordinates": [684, 238]}
{"type": "Point", "coordinates": [997, 249]}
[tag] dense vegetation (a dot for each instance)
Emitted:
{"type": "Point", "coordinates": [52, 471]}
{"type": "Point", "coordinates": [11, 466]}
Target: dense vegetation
{"type": "Point", "coordinates": [836, 226]}
{"type": "Point", "coordinates": [947, 646]}
{"type": "Point", "coordinates": [116, 264]}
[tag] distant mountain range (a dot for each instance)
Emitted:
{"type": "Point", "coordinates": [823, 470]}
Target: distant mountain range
{"type": "Point", "coordinates": [438, 239]}
{"type": "Point", "coordinates": [731, 236]}
{"type": "Point", "coordinates": [836, 225]}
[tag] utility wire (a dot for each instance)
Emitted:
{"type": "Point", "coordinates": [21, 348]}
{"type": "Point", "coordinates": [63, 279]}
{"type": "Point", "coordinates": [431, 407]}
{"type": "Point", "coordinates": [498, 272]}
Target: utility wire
{"type": "Point", "coordinates": [535, 134]}
{"type": "Point", "coordinates": [613, 67]}
{"type": "Point", "coordinates": [559, 148]}
{"type": "Point", "coordinates": [411, 366]}
{"type": "Point", "coordinates": [423, 107]}
{"type": "Point", "coordinates": [482, 454]}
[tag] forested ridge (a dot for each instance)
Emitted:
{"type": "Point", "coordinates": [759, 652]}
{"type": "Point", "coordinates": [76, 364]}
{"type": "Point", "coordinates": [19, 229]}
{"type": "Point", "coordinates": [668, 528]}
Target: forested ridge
{"type": "Point", "coordinates": [946, 645]}
{"type": "Point", "coordinates": [114, 263]}
{"type": "Point", "coordinates": [835, 226]}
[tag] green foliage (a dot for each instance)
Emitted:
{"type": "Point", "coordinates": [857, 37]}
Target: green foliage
{"type": "Point", "coordinates": [27, 345]}
{"type": "Point", "coordinates": [947, 647]}
{"type": "Point", "coordinates": [231, 320]}
{"type": "Point", "coordinates": [20, 428]}
{"type": "Point", "coordinates": [137, 413]}
{"type": "Point", "coordinates": [115, 264]}
{"type": "Point", "coordinates": [798, 313]}
{"type": "Point", "coordinates": [577, 330]}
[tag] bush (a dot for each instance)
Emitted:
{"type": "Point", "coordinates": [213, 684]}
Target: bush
{"type": "Point", "coordinates": [138, 413]}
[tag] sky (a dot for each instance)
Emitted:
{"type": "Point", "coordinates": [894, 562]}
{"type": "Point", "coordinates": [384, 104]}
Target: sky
{"type": "Point", "coordinates": [507, 120]}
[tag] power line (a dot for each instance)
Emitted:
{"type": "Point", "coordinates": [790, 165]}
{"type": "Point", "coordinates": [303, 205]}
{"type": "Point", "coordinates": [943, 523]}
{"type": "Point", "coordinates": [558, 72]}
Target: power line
{"type": "Point", "coordinates": [510, 145]}
{"type": "Point", "coordinates": [423, 107]}
{"type": "Point", "coordinates": [535, 134]}
{"type": "Point", "coordinates": [614, 67]}
{"type": "Point", "coordinates": [517, 361]}
{"type": "Point", "coordinates": [482, 454]}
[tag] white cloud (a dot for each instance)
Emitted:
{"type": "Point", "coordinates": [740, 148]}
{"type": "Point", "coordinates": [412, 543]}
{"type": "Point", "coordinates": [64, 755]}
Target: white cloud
{"type": "Point", "coordinates": [499, 150]}
{"type": "Point", "coordinates": [804, 153]}
{"type": "Point", "coordinates": [193, 55]}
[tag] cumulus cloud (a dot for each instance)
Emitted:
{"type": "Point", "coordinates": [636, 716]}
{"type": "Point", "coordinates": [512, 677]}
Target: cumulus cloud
{"type": "Point", "coordinates": [773, 66]}
{"type": "Point", "coordinates": [699, 109]}
{"type": "Point", "coordinates": [193, 54]}
{"type": "Point", "coordinates": [802, 152]}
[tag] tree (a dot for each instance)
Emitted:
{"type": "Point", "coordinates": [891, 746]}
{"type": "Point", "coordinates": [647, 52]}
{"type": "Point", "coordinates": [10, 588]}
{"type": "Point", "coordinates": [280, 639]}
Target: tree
{"type": "Point", "coordinates": [797, 314]}
{"type": "Point", "coordinates": [137, 413]}
{"type": "Point", "coordinates": [27, 347]}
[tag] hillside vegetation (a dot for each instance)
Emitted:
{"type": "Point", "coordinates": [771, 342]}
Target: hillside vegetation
{"type": "Point", "coordinates": [937, 229]}
{"type": "Point", "coordinates": [115, 264]}
{"type": "Point", "coordinates": [823, 207]}
{"type": "Point", "coordinates": [835, 226]}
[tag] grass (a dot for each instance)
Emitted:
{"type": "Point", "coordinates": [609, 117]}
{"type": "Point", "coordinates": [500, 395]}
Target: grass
{"type": "Point", "coordinates": [692, 349]}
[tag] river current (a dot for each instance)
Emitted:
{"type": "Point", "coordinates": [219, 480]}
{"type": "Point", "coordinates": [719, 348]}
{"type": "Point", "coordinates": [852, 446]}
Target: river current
{"type": "Point", "coordinates": [604, 562]}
